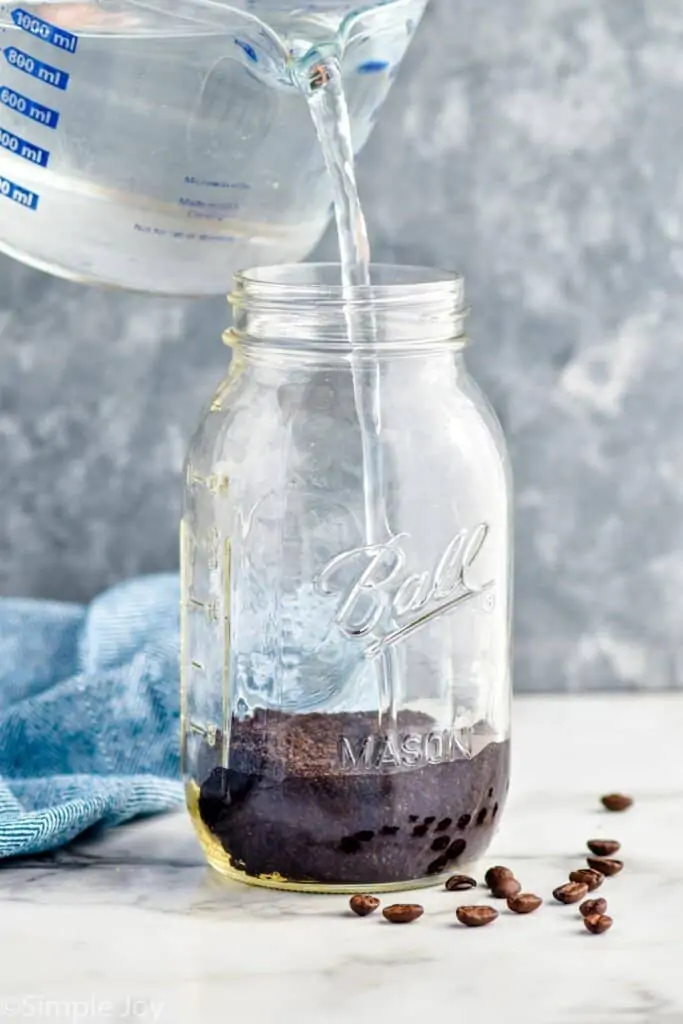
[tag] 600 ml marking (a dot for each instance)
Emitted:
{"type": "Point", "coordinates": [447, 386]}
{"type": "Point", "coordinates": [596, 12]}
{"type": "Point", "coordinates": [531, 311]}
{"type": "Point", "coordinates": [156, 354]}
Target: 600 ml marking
{"type": "Point", "coordinates": [36, 68]}
{"type": "Point", "coordinates": [58, 37]}
{"type": "Point", "coordinates": [28, 108]}
{"type": "Point", "coordinates": [17, 194]}
{"type": "Point", "coordinates": [26, 150]}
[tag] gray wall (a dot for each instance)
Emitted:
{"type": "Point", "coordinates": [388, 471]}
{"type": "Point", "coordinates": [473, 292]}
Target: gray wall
{"type": "Point", "coordinates": [537, 146]}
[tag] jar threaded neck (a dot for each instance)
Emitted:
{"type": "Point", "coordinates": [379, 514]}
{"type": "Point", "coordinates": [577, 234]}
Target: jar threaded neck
{"type": "Point", "coordinates": [304, 306]}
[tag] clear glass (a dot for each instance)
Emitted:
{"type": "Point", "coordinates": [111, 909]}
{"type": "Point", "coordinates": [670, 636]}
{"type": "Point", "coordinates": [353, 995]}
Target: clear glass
{"type": "Point", "coordinates": [346, 702]}
{"type": "Point", "coordinates": [160, 146]}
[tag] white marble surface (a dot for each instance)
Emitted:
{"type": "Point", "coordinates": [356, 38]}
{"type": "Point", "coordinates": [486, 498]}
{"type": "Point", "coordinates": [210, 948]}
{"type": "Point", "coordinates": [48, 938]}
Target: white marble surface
{"type": "Point", "coordinates": [132, 926]}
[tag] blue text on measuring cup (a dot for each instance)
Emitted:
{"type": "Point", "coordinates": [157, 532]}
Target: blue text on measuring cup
{"type": "Point", "coordinates": [45, 73]}
{"type": "Point", "coordinates": [17, 194]}
{"type": "Point", "coordinates": [23, 148]}
{"type": "Point", "coordinates": [28, 108]}
{"type": "Point", "coordinates": [58, 37]}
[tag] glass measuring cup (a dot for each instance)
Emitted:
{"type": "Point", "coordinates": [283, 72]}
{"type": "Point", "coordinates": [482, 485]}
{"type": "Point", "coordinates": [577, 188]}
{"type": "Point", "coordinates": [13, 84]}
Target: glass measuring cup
{"type": "Point", "coordinates": [159, 147]}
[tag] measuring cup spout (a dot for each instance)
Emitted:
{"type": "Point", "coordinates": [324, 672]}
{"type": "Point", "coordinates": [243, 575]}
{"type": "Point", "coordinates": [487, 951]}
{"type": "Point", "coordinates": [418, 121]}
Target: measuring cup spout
{"type": "Point", "coordinates": [311, 72]}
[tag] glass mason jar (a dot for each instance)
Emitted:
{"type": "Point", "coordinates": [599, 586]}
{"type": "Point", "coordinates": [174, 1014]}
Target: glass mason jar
{"type": "Point", "coordinates": [346, 589]}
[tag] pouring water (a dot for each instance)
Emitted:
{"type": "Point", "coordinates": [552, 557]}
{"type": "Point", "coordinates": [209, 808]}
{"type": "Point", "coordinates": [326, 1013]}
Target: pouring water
{"type": "Point", "coordinates": [329, 109]}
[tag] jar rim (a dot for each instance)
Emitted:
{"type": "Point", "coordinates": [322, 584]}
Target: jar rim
{"type": "Point", "coordinates": [323, 281]}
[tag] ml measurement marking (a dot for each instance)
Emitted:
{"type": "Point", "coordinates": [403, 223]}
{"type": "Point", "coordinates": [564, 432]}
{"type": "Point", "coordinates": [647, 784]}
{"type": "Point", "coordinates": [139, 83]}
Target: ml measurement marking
{"type": "Point", "coordinates": [59, 37]}
{"type": "Point", "coordinates": [28, 108]}
{"type": "Point", "coordinates": [24, 149]}
{"type": "Point", "coordinates": [17, 194]}
{"type": "Point", "coordinates": [45, 73]}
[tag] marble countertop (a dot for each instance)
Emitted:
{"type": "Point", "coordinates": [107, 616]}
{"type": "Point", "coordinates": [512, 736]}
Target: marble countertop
{"type": "Point", "coordinates": [132, 926]}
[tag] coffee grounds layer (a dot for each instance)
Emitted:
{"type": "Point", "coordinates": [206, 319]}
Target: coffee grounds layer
{"type": "Point", "coordinates": [287, 806]}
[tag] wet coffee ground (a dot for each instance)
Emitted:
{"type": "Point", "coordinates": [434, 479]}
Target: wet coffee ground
{"type": "Point", "coordinates": [286, 807]}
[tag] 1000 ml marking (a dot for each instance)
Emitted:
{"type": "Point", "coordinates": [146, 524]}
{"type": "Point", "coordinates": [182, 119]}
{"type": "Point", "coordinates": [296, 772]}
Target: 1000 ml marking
{"type": "Point", "coordinates": [28, 108]}
{"type": "Point", "coordinates": [59, 37]}
{"type": "Point", "coordinates": [19, 195]}
{"type": "Point", "coordinates": [45, 73]}
{"type": "Point", "coordinates": [26, 150]}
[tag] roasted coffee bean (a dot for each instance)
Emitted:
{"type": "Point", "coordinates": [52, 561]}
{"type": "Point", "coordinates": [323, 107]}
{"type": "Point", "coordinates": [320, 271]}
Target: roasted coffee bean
{"type": "Point", "coordinates": [457, 847]}
{"type": "Point", "coordinates": [616, 802]}
{"type": "Point", "coordinates": [506, 888]}
{"type": "Point", "coordinates": [597, 906]}
{"type": "Point", "coordinates": [603, 847]}
{"type": "Point", "coordinates": [363, 904]}
{"type": "Point", "coordinates": [605, 865]}
{"type": "Point", "coordinates": [458, 883]}
{"type": "Point", "coordinates": [496, 875]}
{"type": "Point", "coordinates": [597, 923]}
{"type": "Point", "coordinates": [403, 913]}
{"type": "Point", "coordinates": [440, 843]}
{"type": "Point", "coordinates": [438, 865]}
{"type": "Point", "coordinates": [593, 879]}
{"type": "Point", "coordinates": [570, 892]}
{"type": "Point", "coordinates": [475, 917]}
{"type": "Point", "coordinates": [350, 844]}
{"type": "Point", "coordinates": [524, 903]}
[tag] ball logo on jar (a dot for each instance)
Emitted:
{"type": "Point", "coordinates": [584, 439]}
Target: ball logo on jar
{"type": "Point", "coordinates": [377, 599]}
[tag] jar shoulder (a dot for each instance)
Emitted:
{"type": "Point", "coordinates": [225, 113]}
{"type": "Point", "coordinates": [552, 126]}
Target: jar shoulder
{"type": "Point", "coordinates": [305, 424]}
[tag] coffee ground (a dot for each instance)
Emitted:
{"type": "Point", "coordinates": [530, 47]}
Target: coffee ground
{"type": "Point", "coordinates": [287, 807]}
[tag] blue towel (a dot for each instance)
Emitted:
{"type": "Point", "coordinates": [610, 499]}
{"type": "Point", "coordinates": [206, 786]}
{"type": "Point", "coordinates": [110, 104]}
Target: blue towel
{"type": "Point", "coordinates": [89, 713]}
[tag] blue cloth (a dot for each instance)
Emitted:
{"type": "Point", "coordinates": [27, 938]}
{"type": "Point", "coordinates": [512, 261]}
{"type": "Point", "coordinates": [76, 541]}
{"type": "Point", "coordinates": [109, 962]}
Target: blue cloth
{"type": "Point", "coordinates": [89, 713]}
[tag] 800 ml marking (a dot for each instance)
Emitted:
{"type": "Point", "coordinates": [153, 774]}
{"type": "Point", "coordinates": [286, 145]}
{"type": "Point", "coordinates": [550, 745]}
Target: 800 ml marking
{"type": "Point", "coordinates": [58, 37]}
{"type": "Point", "coordinates": [36, 68]}
{"type": "Point", "coordinates": [18, 194]}
{"type": "Point", "coordinates": [26, 150]}
{"type": "Point", "coordinates": [28, 108]}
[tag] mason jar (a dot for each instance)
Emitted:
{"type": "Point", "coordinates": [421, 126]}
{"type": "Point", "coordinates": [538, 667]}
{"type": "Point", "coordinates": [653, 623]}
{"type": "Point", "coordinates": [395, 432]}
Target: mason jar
{"type": "Point", "coordinates": [346, 589]}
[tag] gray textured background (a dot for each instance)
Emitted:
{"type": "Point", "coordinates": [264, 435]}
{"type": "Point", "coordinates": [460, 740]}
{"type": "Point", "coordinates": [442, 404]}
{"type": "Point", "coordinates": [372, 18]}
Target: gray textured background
{"type": "Point", "coordinates": [538, 147]}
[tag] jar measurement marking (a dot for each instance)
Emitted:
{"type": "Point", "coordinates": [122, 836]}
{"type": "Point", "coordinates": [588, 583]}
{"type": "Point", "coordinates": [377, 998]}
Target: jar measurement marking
{"type": "Point", "coordinates": [65, 41]}
{"type": "Point", "coordinates": [209, 732]}
{"type": "Point", "coordinates": [21, 148]}
{"type": "Point", "coordinates": [213, 561]}
{"type": "Point", "coordinates": [197, 665]}
{"type": "Point", "coordinates": [22, 196]}
{"type": "Point", "coordinates": [45, 73]}
{"type": "Point", "coordinates": [210, 608]}
{"type": "Point", "coordinates": [21, 104]}
{"type": "Point", "coordinates": [215, 482]}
